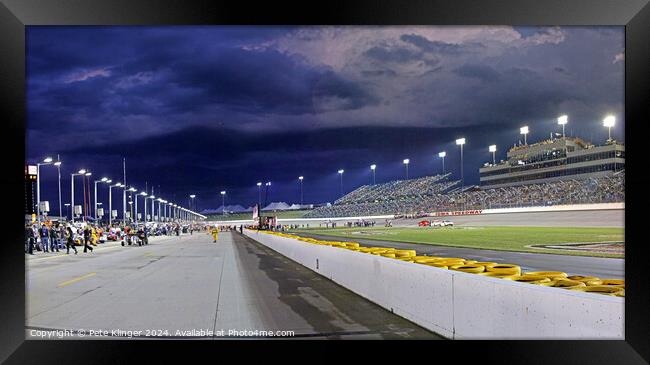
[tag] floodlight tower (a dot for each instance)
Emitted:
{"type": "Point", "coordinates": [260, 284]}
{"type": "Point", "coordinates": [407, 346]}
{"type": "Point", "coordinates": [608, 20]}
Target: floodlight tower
{"type": "Point", "coordinates": [563, 120]}
{"type": "Point", "coordinates": [406, 163]}
{"type": "Point", "coordinates": [442, 155]}
{"type": "Point", "coordinates": [524, 130]}
{"type": "Point", "coordinates": [373, 167]}
{"type": "Point", "coordinates": [609, 122]}
{"type": "Point", "coordinates": [461, 142]}
{"type": "Point", "coordinates": [493, 149]}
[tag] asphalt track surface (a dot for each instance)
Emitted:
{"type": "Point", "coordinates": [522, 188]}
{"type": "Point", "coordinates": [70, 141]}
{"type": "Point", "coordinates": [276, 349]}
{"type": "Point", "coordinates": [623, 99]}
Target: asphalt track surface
{"type": "Point", "coordinates": [190, 283]}
{"type": "Point", "coordinates": [606, 268]}
{"type": "Point", "coordinates": [593, 218]}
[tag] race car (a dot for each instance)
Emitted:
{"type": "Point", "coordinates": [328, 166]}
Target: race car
{"type": "Point", "coordinates": [424, 224]}
{"type": "Point", "coordinates": [442, 223]}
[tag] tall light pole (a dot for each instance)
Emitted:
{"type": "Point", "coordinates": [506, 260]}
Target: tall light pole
{"type": "Point", "coordinates": [132, 216]}
{"type": "Point", "coordinates": [461, 142]}
{"type": "Point", "coordinates": [524, 130]}
{"type": "Point", "coordinates": [609, 122]}
{"type": "Point", "coordinates": [144, 202]}
{"type": "Point", "coordinates": [301, 195]}
{"type": "Point", "coordinates": [373, 167]}
{"type": "Point", "coordinates": [406, 163]}
{"type": "Point", "coordinates": [192, 207]}
{"type": "Point", "coordinates": [223, 203]}
{"type": "Point", "coordinates": [493, 149]}
{"type": "Point", "coordinates": [103, 180]}
{"type": "Point", "coordinates": [67, 207]}
{"type": "Point", "coordinates": [341, 186]}
{"type": "Point", "coordinates": [268, 186]}
{"type": "Point", "coordinates": [46, 161]}
{"type": "Point", "coordinates": [153, 198]}
{"type": "Point", "coordinates": [58, 168]}
{"type": "Point", "coordinates": [160, 200]}
{"type": "Point", "coordinates": [110, 201]}
{"type": "Point", "coordinates": [563, 120]}
{"type": "Point", "coordinates": [442, 155]}
{"type": "Point", "coordinates": [259, 199]}
{"type": "Point", "coordinates": [79, 173]}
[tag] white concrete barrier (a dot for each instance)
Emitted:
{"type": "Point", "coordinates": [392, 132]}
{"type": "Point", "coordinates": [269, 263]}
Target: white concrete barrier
{"type": "Point", "coordinates": [459, 305]}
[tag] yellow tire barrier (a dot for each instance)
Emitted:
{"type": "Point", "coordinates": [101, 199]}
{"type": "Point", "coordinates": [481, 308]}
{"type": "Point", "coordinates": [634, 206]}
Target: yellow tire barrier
{"type": "Point", "coordinates": [434, 264]}
{"type": "Point", "coordinates": [405, 253]}
{"type": "Point", "coordinates": [585, 279]}
{"type": "Point", "coordinates": [424, 261]}
{"type": "Point", "coordinates": [506, 269]}
{"type": "Point", "coordinates": [601, 289]}
{"type": "Point", "coordinates": [390, 255]}
{"type": "Point", "coordinates": [532, 279]}
{"type": "Point", "coordinates": [549, 274]}
{"type": "Point", "coordinates": [497, 275]}
{"type": "Point", "coordinates": [471, 262]}
{"type": "Point", "coordinates": [620, 293]}
{"type": "Point", "coordinates": [618, 283]}
{"type": "Point", "coordinates": [468, 268]}
{"type": "Point", "coordinates": [566, 283]}
{"type": "Point", "coordinates": [486, 264]}
{"type": "Point", "coordinates": [407, 259]}
{"type": "Point", "coordinates": [351, 244]}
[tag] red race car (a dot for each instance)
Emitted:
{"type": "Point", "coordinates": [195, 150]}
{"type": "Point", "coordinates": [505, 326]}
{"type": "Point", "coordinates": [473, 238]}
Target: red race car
{"type": "Point", "coordinates": [424, 224]}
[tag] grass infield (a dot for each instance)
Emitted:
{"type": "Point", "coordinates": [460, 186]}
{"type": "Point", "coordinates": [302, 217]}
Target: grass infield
{"type": "Point", "coordinates": [487, 237]}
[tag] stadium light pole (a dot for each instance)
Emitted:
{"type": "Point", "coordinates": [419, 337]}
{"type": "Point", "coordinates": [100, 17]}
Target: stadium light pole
{"type": "Point", "coordinates": [46, 161]}
{"type": "Point", "coordinates": [67, 208]}
{"type": "Point", "coordinates": [259, 197]}
{"type": "Point", "coordinates": [301, 190]}
{"type": "Point", "coordinates": [524, 130]}
{"type": "Point", "coordinates": [563, 120]}
{"type": "Point", "coordinates": [103, 180]}
{"type": "Point", "coordinates": [223, 203]}
{"type": "Point", "coordinates": [58, 168]}
{"type": "Point", "coordinates": [110, 202]}
{"type": "Point", "coordinates": [132, 190]}
{"type": "Point", "coordinates": [609, 122]}
{"type": "Point", "coordinates": [373, 167]}
{"type": "Point", "coordinates": [493, 149]}
{"type": "Point", "coordinates": [144, 202]}
{"type": "Point", "coordinates": [153, 198]}
{"type": "Point", "coordinates": [461, 142]}
{"type": "Point", "coordinates": [341, 186]}
{"type": "Point", "coordinates": [406, 163]}
{"type": "Point", "coordinates": [79, 173]}
{"type": "Point", "coordinates": [442, 155]}
{"type": "Point", "coordinates": [192, 207]}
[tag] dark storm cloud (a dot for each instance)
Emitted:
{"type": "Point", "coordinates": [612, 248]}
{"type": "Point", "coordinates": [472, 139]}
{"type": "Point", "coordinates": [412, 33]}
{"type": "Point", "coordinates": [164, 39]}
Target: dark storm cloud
{"type": "Point", "coordinates": [481, 72]}
{"type": "Point", "coordinates": [202, 109]}
{"type": "Point", "coordinates": [430, 46]}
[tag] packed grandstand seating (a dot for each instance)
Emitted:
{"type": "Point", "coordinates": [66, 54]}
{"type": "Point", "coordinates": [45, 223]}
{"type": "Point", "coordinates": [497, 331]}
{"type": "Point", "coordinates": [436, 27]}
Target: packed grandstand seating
{"type": "Point", "coordinates": [436, 193]}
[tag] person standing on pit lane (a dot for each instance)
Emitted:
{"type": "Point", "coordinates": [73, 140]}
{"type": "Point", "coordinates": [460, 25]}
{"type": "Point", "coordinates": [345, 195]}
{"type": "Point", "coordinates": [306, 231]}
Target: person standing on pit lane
{"type": "Point", "coordinates": [54, 238]}
{"type": "Point", "coordinates": [87, 234]}
{"type": "Point", "coordinates": [29, 237]}
{"type": "Point", "coordinates": [215, 233]}
{"type": "Point", "coordinates": [69, 240]}
{"type": "Point", "coordinates": [45, 237]}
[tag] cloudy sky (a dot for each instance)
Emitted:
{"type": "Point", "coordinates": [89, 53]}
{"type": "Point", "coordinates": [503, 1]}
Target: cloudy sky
{"type": "Point", "coordinates": [204, 109]}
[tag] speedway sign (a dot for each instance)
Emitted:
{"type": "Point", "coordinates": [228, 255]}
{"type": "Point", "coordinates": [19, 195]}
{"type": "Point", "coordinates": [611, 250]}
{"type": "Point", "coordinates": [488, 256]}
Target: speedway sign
{"type": "Point", "coordinates": [457, 212]}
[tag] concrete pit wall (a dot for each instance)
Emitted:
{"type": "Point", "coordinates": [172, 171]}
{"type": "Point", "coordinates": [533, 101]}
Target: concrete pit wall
{"type": "Point", "coordinates": [459, 305]}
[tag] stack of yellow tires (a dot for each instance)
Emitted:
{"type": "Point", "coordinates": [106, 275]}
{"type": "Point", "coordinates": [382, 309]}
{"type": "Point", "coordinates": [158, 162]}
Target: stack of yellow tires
{"type": "Point", "coordinates": [557, 279]}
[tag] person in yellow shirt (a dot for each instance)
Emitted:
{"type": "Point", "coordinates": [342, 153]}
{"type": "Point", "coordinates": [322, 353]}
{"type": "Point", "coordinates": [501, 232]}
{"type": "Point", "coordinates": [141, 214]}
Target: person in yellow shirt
{"type": "Point", "coordinates": [215, 233]}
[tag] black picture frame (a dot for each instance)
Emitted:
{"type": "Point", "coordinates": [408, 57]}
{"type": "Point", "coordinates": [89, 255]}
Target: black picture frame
{"type": "Point", "coordinates": [634, 15]}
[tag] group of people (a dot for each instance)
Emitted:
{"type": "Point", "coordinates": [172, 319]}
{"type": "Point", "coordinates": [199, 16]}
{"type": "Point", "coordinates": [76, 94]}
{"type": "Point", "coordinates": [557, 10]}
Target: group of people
{"type": "Point", "coordinates": [56, 236]}
{"type": "Point", "coordinates": [435, 193]}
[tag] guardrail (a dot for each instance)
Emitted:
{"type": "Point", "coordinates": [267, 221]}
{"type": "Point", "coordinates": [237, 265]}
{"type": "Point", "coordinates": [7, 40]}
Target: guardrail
{"type": "Point", "coordinates": [459, 305]}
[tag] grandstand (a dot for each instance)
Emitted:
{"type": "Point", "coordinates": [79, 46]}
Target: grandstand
{"type": "Point", "coordinates": [437, 193]}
